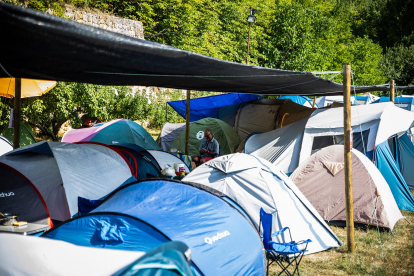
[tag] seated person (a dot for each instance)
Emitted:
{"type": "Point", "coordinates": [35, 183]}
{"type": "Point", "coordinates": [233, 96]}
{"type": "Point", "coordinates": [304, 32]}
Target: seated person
{"type": "Point", "coordinates": [209, 148]}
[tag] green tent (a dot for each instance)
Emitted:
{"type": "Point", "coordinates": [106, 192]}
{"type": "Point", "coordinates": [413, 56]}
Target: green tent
{"type": "Point", "coordinates": [26, 134]}
{"type": "Point", "coordinates": [223, 133]}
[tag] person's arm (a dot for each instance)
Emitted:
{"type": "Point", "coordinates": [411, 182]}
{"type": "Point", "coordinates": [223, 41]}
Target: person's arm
{"type": "Point", "coordinates": [214, 153]}
{"type": "Point", "coordinates": [202, 150]}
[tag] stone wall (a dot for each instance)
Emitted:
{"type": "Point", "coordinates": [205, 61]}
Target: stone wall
{"type": "Point", "coordinates": [107, 22]}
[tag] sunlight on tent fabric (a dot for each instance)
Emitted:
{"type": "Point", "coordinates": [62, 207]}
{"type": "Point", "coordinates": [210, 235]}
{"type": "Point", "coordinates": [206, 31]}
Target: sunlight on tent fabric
{"type": "Point", "coordinates": [30, 87]}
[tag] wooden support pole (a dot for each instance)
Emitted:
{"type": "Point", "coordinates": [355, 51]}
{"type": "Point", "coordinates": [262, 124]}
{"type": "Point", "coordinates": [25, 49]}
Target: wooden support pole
{"type": "Point", "coordinates": [314, 102]}
{"type": "Point", "coordinates": [17, 112]}
{"type": "Point", "coordinates": [348, 159]}
{"type": "Point", "coordinates": [392, 91]}
{"type": "Point", "coordinates": [187, 123]}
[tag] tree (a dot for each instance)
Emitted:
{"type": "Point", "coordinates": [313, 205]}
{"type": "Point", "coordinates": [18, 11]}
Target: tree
{"type": "Point", "coordinates": [398, 64]}
{"type": "Point", "coordinates": [317, 37]}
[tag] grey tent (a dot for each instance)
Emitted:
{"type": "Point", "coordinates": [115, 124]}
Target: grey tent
{"type": "Point", "coordinates": [169, 133]}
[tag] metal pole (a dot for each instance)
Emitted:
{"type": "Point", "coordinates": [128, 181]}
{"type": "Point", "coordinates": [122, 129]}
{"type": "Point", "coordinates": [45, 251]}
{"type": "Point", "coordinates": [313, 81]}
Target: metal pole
{"type": "Point", "coordinates": [392, 91]}
{"type": "Point", "coordinates": [17, 112]}
{"type": "Point", "coordinates": [187, 123]}
{"type": "Point", "coordinates": [166, 112]}
{"type": "Point", "coordinates": [348, 159]}
{"type": "Point", "coordinates": [248, 40]}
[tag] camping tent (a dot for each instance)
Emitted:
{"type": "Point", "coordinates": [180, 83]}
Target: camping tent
{"type": "Point", "coordinates": [142, 162]}
{"type": "Point", "coordinates": [403, 102]}
{"type": "Point", "coordinates": [116, 131]}
{"type": "Point", "coordinates": [145, 214]}
{"type": "Point", "coordinates": [41, 256]}
{"type": "Point", "coordinates": [268, 114]}
{"type": "Point", "coordinates": [254, 183]}
{"type": "Point", "coordinates": [261, 115]}
{"type": "Point", "coordinates": [402, 150]}
{"type": "Point", "coordinates": [44, 180]}
{"type": "Point", "coordinates": [209, 107]}
{"type": "Point", "coordinates": [329, 100]}
{"type": "Point", "coordinates": [22, 255]}
{"type": "Point", "coordinates": [372, 125]}
{"type": "Point", "coordinates": [302, 100]}
{"type": "Point", "coordinates": [223, 133]}
{"type": "Point", "coordinates": [5, 145]}
{"type": "Point", "coordinates": [26, 134]}
{"type": "Point", "coordinates": [321, 179]}
{"type": "Point", "coordinates": [149, 163]}
{"type": "Point", "coordinates": [168, 134]}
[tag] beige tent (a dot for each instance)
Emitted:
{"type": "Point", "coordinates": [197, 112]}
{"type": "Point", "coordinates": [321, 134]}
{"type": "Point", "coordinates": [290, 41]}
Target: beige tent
{"type": "Point", "coordinates": [321, 179]}
{"type": "Point", "coordinates": [265, 115]}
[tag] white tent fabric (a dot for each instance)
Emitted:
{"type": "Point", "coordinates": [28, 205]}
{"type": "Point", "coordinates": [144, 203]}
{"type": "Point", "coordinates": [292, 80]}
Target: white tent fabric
{"type": "Point", "coordinates": [254, 183]}
{"type": "Point", "coordinates": [76, 170]}
{"type": "Point", "coordinates": [325, 189]}
{"type": "Point", "coordinates": [293, 144]}
{"type": "Point", "coordinates": [382, 120]}
{"type": "Point", "coordinates": [5, 145]}
{"type": "Point", "coordinates": [169, 133]}
{"type": "Point", "coordinates": [27, 255]}
{"type": "Point", "coordinates": [279, 146]}
{"type": "Point", "coordinates": [167, 159]}
{"type": "Point", "coordinates": [328, 100]}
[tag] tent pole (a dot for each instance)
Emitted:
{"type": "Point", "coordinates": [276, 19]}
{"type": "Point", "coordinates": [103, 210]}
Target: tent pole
{"type": "Point", "coordinates": [392, 91]}
{"type": "Point", "coordinates": [17, 112]}
{"type": "Point", "coordinates": [348, 158]}
{"type": "Point", "coordinates": [187, 122]}
{"type": "Point", "coordinates": [314, 101]}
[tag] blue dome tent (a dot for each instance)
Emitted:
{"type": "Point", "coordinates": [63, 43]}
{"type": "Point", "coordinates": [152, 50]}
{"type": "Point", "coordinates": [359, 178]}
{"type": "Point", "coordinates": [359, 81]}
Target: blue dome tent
{"type": "Point", "coordinates": [142, 215]}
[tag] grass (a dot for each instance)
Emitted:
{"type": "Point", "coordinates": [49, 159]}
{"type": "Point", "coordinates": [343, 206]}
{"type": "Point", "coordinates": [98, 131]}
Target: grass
{"type": "Point", "coordinates": [398, 250]}
{"type": "Point", "coordinates": [154, 132]}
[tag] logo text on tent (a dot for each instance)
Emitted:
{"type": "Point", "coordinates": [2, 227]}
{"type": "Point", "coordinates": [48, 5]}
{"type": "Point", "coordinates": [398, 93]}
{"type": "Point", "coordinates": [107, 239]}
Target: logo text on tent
{"type": "Point", "coordinates": [6, 194]}
{"type": "Point", "coordinates": [200, 135]}
{"type": "Point", "coordinates": [217, 237]}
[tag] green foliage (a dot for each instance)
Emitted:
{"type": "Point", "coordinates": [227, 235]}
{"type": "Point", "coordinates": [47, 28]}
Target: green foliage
{"type": "Point", "coordinates": [316, 37]}
{"type": "Point", "coordinates": [398, 64]}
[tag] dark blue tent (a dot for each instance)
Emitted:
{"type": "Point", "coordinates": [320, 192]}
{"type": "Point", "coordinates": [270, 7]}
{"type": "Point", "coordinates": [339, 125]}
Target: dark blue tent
{"type": "Point", "coordinates": [143, 163]}
{"type": "Point", "coordinates": [141, 216]}
{"type": "Point", "coordinates": [209, 107]}
{"type": "Point", "coordinates": [388, 167]}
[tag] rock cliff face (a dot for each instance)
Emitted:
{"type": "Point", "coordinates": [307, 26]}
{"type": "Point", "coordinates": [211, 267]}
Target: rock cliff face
{"type": "Point", "coordinates": [107, 22]}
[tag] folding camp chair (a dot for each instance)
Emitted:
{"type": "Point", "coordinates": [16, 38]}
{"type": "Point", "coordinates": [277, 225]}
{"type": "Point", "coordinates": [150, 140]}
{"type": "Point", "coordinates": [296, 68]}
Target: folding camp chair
{"type": "Point", "coordinates": [280, 252]}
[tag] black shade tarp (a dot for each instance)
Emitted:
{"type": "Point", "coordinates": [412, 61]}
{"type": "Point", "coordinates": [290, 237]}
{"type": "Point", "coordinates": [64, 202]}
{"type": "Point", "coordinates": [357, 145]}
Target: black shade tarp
{"type": "Point", "coordinates": [40, 46]}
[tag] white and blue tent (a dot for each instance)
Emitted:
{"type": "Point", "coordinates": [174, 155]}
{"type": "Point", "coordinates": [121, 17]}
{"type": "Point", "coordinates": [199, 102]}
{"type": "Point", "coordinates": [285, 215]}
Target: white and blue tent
{"type": "Point", "coordinates": [5, 145]}
{"type": "Point", "coordinates": [254, 183]}
{"type": "Point", "coordinates": [329, 100]}
{"type": "Point", "coordinates": [372, 125]}
{"type": "Point", "coordinates": [142, 215]}
{"type": "Point", "coordinates": [302, 100]}
{"type": "Point", "coordinates": [367, 98]}
{"type": "Point", "coordinates": [404, 102]}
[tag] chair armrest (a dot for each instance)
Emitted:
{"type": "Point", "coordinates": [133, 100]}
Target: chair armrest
{"type": "Point", "coordinates": [303, 242]}
{"type": "Point", "coordinates": [279, 232]}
